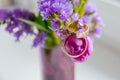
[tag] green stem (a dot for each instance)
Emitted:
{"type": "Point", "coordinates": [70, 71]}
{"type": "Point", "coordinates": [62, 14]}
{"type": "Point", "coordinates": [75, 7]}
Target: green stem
{"type": "Point", "coordinates": [81, 7]}
{"type": "Point", "coordinates": [74, 6]}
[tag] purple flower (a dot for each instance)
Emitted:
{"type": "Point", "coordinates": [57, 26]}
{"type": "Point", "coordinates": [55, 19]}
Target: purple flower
{"type": "Point", "coordinates": [97, 19]}
{"type": "Point", "coordinates": [90, 7]}
{"type": "Point", "coordinates": [74, 17]}
{"type": "Point", "coordinates": [40, 39]}
{"type": "Point", "coordinates": [55, 24]}
{"type": "Point", "coordinates": [4, 14]}
{"type": "Point", "coordinates": [76, 2]}
{"type": "Point", "coordinates": [97, 31]}
{"type": "Point", "coordinates": [14, 25]}
{"type": "Point", "coordinates": [62, 33]}
{"type": "Point", "coordinates": [18, 34]}
{"type": "Point", "coordinates": [10, 27]}
{"type": "Point", "coordinates": [50, 7]}
{"type": "Point", "coordinates": [84, 19]}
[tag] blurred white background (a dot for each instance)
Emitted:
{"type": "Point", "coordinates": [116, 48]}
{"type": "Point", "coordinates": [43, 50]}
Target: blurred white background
{"type": "Point", "coordinates": [19, 61]}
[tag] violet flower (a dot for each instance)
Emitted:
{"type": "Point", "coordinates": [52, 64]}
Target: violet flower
{"type": "Point", "coordinates": [92, 15]}
{"type": "Point", "coordinates": [90, 7]}
{"type": "Point", "coordinates": [4, 14]}
{"type": "Point", "coordinates": [74, 17]}
{"type": "Point", "coordinates": [55, 24]}
{"type": "Point", "coordinates": [40, 39]}
{"type": "Point", "coordinates": [50, 7]}
{"type": "Point", "coordinates": [62, 33]}
{"type": "Point", "coordinates": [14, 25]}
{"type": "Point", "coordinates": [84, 19]}
{"type": "Point", "coordinates": [76, 2]}
{"type": "Point", "coordinates": [97, 19]}
{"type": "Point", "coordinates": [97, 31]}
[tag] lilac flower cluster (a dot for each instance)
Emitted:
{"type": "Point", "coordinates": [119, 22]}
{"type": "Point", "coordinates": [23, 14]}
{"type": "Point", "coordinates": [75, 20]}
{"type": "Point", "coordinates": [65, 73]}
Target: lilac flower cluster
{"type": "Point", "coordinates": [17, 27]}
{"type": "Point", "coordinates": [50, 8]}
{"type": "Point", "coordinates": [14, 25]}
{"type": "Point", "coordinates": [95, 18]}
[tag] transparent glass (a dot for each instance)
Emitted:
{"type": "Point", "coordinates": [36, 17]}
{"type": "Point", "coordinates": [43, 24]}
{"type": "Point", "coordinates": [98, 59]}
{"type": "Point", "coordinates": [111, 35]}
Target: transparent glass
{"type": "Point", "coordinates": [56, 65]}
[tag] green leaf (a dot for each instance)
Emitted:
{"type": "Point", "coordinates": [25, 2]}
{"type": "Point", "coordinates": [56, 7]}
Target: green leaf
{"type": "Point", "coordinates": [38, 19]}
{"type": "Point", "coordinates": [38, 26]}
{"type": "Point", "coordinates": [47, 23]}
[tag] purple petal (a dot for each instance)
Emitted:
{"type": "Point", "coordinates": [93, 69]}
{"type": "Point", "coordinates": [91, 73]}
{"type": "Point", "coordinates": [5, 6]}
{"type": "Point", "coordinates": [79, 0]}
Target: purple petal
{"type": "Point", "coordinates": [84, 19]}
{"type": "Point", "coordinates": [55, 24]}
{"type": "Point", "coordinates": [40, 39]}
{"type": "Point", "coordinates": [90, 7]}
{"type": "Point", "coordinates": [50, 7]}
{"type": "Point", "coordinates": [18, 34]}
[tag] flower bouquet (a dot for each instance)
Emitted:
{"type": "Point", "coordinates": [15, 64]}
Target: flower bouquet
{"type": "Point", "coordinates": [64, 31]}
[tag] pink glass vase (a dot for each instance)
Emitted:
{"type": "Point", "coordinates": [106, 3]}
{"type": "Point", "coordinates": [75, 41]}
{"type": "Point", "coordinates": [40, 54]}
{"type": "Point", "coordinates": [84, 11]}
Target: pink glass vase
{"type": "Point", "coordinates": [56, 65]}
